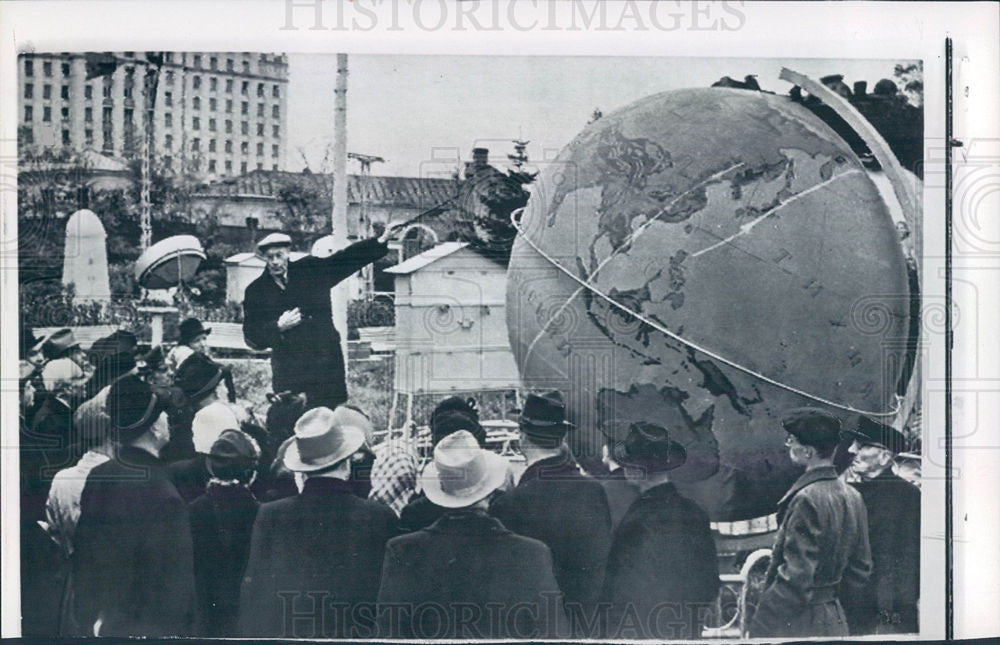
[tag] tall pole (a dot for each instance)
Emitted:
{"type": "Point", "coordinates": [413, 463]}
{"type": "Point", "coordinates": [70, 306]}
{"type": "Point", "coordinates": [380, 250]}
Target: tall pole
{"type": "Point", "coordinates": [339, 223]}
{"type": "Point", "coordinates": [150, 82]}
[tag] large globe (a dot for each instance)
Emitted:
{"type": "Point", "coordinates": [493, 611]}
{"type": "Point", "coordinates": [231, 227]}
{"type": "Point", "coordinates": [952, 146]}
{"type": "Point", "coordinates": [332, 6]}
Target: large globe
{"type": "Point", "coordinates": [705, 260]}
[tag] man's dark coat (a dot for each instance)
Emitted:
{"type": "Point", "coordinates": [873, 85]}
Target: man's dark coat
{"type": "Point", "coordinates": [662, 570]}
{"type": "Point", "coordinates": [553, 502]}
{"type": "Point", "coordinates": [221, 525]}
{"type": "Point", "coordinates": [317, 555]}
{"type": "Point", "coordinates": [464, 577]}
{"type": "Point", "coordinates": [45, 450]}
{"type": "Point", "coordinates": [419, 513]}
{"type": "Point", "coordinates": [888, 603]}
{"type": "Point", "coordinates": [133, 565]}
{"type": "Point", "coordinates": [306, 358]}
{"type": "Point", "coordinates": [821, 546]}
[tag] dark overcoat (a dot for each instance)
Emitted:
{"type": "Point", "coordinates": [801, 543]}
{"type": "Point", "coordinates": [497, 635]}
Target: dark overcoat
{"type": "Point", "coordinates": [190, 476]}
{"type": "Point", "coordinates": [317, 555]}
{"type": "Point", "coordinates": [464, 577]}
{"type": "Point", "coordinates": [419, 513]}
{"type": "Point", "coordinates": [568, 511]}
{"type": "Point", "coordinates": [133, 563]}
{"type": "Point", "coordinates": [306, 358]}
{"type": "Point", "coordinates": [888, 603]}
{"type": "Point", "coordinates": [662, 570]}
{"type": "Point", "coordinates": [45, 449]}
{"type": "Point", "coordinates": [221, 525]}
{"type": "Point", "coordinates": [621, 494]}
{"type": "Point", "coordinates": [821, 546]}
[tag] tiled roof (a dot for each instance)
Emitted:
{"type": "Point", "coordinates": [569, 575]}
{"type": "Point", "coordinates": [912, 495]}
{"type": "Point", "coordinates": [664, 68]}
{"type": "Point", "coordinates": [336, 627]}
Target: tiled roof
{"type": "Point", "coordinates": [413, 192]}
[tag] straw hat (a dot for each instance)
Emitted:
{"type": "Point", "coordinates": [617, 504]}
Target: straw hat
{"type": "Point", "coordinates": [462, 473]}
{"type": "Point", "coordinates": [320, 442]}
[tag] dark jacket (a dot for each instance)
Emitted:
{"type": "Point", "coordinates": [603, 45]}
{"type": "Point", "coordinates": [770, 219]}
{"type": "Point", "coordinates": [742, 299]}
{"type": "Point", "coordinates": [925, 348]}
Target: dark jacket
{"type": "Point", "coordinates": [45, 450]}
{"type": "Point", "coordinates": [553, 502]}
{"type": "Point", "coordinates": [621, 494]}
{"type": "Point", "coordinates": [662, 566]}
{"type": "Point", "coordinates": [419, 513]}
{"type": "Point", "coordinates": [190, 476]}
{"type": "Point", "coordinates": [133, 564]}
{"type": "Point", "coordinates": [221, 525]}
{"type": "Point", "coordinates": [465, 577]}
{"type": "Point", "coordinates": [317, 555]}
{"type": "Point", "coordinates": [822, 544]}
{"type": "Point", "coordinates": [888, 603]}
{"type": "Point", "coordinates": [306, 358]}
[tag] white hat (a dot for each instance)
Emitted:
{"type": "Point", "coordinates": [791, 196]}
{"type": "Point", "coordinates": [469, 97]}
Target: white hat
{"type": "Point", "coordinates": [320, 441]}
{"type": "Point", "coordinates": [462, 473]}
{"type": "Point", "coordinates": [211, 421]}
{"type": "Point", "coordinates": [59, 372]}
{"type": "Point", "coordinates": [274, 239]}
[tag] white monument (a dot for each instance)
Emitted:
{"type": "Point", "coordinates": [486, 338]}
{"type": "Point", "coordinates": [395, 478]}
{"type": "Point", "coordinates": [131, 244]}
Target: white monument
{"type": "Point", "coordinates": [85, 262]}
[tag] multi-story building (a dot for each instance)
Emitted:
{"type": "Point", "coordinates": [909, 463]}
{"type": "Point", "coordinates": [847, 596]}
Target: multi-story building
{"type": "Point", "coordinates": [215, 113]}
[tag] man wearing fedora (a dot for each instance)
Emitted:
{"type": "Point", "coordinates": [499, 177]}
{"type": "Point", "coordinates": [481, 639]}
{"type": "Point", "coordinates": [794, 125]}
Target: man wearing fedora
{"type": "Point", "coordinates": [663, 572]}
{"type": "Point", "coordinates": [555, 503]}
{"type": "Point", "coordinates": [287, 309]}
{"type": "Point", "coordinates": [822, 543]}
{"type": "Point", "coordinates": [888, 603]}
{"type": "Point", "coordinates": [133, 567]}
{"type": "Point", "coordinates": [316, 558]}
{"type": "Point", "coordinates": [466, 576]}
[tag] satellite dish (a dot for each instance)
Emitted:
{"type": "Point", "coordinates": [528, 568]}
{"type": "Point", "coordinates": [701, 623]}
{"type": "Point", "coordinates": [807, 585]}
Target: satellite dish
{"type": "Point", "coordinates": [169, 262]}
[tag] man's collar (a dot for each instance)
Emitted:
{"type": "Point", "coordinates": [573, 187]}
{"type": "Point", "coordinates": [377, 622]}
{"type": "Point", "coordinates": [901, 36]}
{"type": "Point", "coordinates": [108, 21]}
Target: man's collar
{"type": "Point", "coordinates": [808, 477]}
{"type": "Point", "coordinates": [324, 485]}
{"type": "Point", "coordinates": [666, 489]}
{"type": "Point", "coordinates": [467, 522]}
{"type": "Point", "coordinates": [557, 467]}
{"type": "Point", "coordinates": [283, 282]}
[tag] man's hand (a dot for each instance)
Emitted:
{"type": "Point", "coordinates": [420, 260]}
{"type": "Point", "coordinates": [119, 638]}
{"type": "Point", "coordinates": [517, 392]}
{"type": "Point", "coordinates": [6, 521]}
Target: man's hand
{"type": "Point", "coordinates": [289, 319]}
{"type": "Point", "coordinates": [390, 230]}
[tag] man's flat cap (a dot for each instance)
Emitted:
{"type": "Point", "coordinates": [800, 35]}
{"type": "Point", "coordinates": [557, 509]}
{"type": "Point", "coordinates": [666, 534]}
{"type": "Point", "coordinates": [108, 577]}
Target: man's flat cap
{"type": "Point", "coordinates": [812, 426]}
{"type": "Point", "coordinates": [274, 239]}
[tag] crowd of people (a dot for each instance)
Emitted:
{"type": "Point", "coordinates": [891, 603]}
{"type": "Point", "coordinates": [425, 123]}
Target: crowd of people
{"type": "Point", "coordinates": [152, 506]}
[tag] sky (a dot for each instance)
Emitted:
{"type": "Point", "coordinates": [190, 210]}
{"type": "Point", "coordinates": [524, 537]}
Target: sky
{"type": "Point", "coordinates": [424, 114]}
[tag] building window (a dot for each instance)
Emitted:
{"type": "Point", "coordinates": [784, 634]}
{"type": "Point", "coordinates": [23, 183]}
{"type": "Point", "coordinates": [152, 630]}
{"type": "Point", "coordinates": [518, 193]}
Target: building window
{"type": "Point", "coordinates": [244, 128]}
{"type": "Point", "coordinates": [29, 67]}
{"type": "Point", "coordinates": [107, 87]}
{"type": "Point", "coordinates": [88, 114]}
{"type": "Point", "coordinates": [168, 99]}
{"type": "Point", "coordinates": [274, 151]}
{"type": "Point", "coordinates": [195, 123]}
{"type": "Point", "coordinates": [260, 90]}
{"type": "Point", "coordinates": [229, 167]}
{"type": "Point", "coordinates": [246, 67]}
{"type": "Point", "coordinates": [168, 162]}
{"type": "Point", "coordinates": [274, 166]}
{"type": "Point", "coordinates": [65, 137]}
{"type": "Point", "coordinates": [65, 69]}
{"type": "Point", "coordinates": [244, 88]}
{"type": "Point", "coordinates": [260, 109]}
{"type": "Point", "coordinates": [29, 113]}
{"type": "Point", "coordinates": [47, 68]}
{"type": "Point", "coordinates": [213, 104]}
{"type": "Point", "coordinates": [195, 144]}
{"type": "Point", "coordinates": [260, 149]}
{"type": "Point", "coordinates": [244, 108]}
{"type": "Point", "coordinates": [229, 145]}
{"type": "Point", "coordinates": [46, 91]}
{"type": "Point", "coordinates": [29, 91]}
{"type": "Point", "coordinates": [29, 137]}
{"type": "Point", "coordinates": [197, 60]}
{"type": "Point", "coordinates": [243, 167]}
{"type": "Point", "coordinates": [260, 129]}
{"type": "Point", "coordinates": [88, 92]}
{"type": "Point", "coordinates": [229, 85]}
{"type": "Point", "coordinates": [88, 136]}
{"type": "Point", "coordinates": [275, 92]}
{"type": "Point", "coordinates": [213, 63]}
{"type": "Point", "coordinates": [229, 106]}
{"type": "Point", "coordinates": [275, 131]}
{"type": "Point", "coordinates": [244, 148]}
{"type": "Point", "coordinates": [170, 76]}
{"type": "Point", "coordinates": [213, 84]}
{"type": "Point", "coordinates": [64, 92]}
{"type": "Point", "coordinates": [196, 82]}
{"type": "Point", "coordinates": [229, 64]}
{"type": "Point", "coordinates": [47, 114]}
{"type": "Point", "coordinates": [106, 117]}
{"type": "Point", "coordinates": [211, 145]}
{"type": "Point", "coordinates": [211, 165]}
{"type": "Point", "coordinates": [275, 112]}
{"type": "Point", "coordinates": [196, 103]}
{"type": "Point", "coordinates": [260, 166]}
{"type": "Point", "coordinates": [168, 57]}
{"type": "Point", "coordinates": [168, 141]}
{"type": "Point", "coordinates": [229, 126]}
{"type": "Point", "coordinates": [168, 119]}
{"type": "Point", "coordinates": [64, 113]}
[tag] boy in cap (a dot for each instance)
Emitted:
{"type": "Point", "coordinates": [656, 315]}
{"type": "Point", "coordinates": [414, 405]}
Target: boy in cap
{"type": "Point", "coordinates": [466, 576]}
{"type": "Point", "coordinates": [822, 541]}
{"type": "Point", "coordinates": [287, 309]}
{"type": "Point", "coordinates": [192, 340]}
{"type": "Point", "coordinates": [222, 521]}
{"type": "Point", "coordinates": [133, 565]}
{"type": "Point", "coordinates": [317, 556]}
{"type": "Point", "coordinates": [888, 602]}
{"type": "Point", "coordinates": [662, 572]}
{"type": "Point", "coordinates": [555, 503]}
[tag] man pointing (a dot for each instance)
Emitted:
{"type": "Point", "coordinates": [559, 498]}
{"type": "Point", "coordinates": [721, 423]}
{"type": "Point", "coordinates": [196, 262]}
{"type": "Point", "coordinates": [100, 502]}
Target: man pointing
{"type": "Point", "coordinates": [287, 309]}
